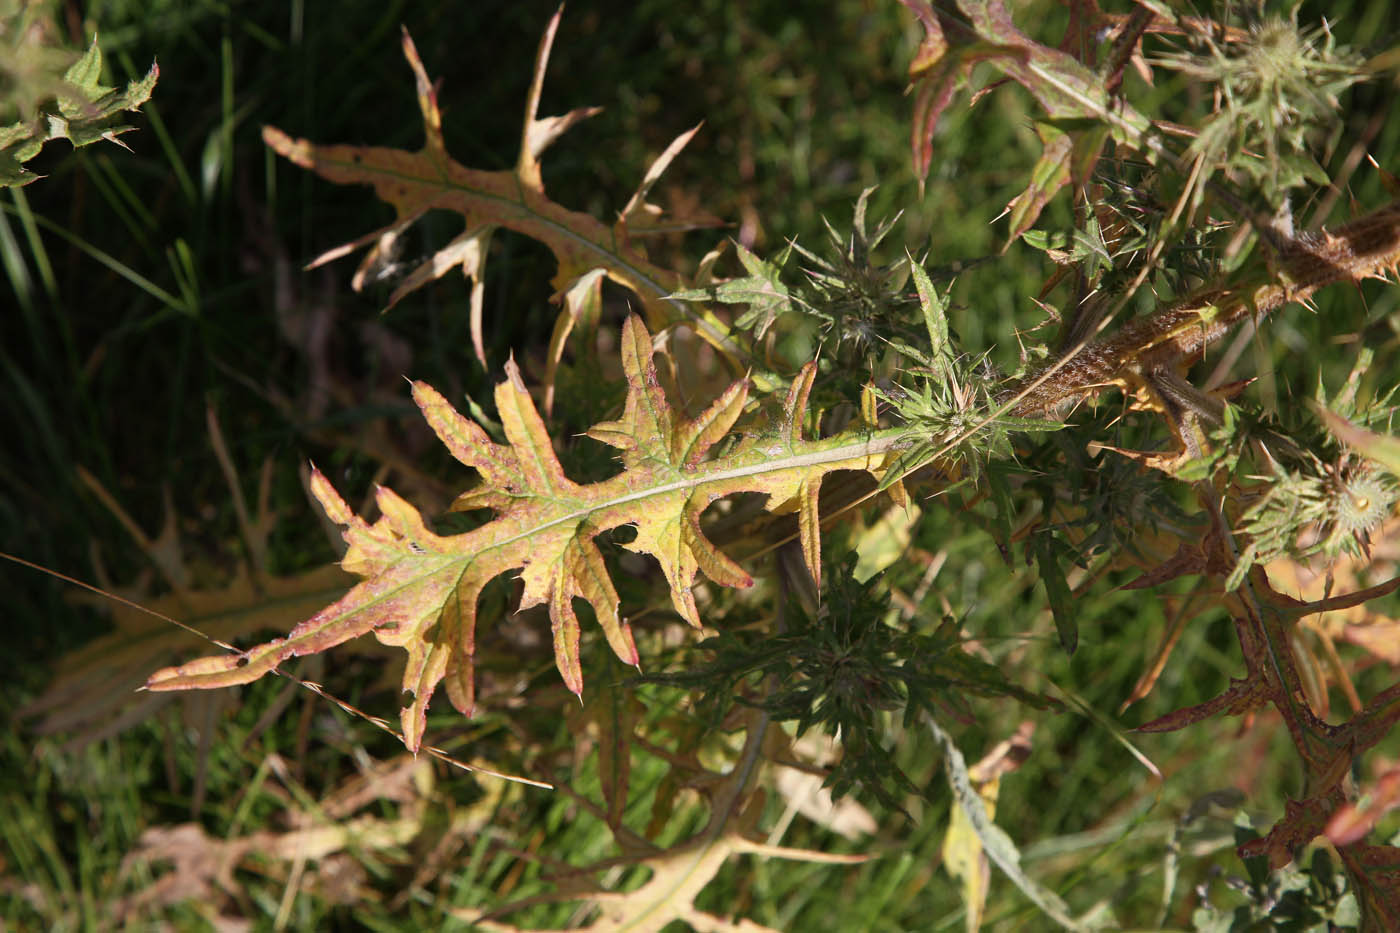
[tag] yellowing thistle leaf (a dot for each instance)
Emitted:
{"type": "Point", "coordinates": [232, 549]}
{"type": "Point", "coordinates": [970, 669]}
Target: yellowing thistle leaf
{"type": "Point", "coordinates": [680, 872]}
{"type": "Point", "coordinates": [420, 589]}
{"type": "Point", "coordinates": [414, 183]}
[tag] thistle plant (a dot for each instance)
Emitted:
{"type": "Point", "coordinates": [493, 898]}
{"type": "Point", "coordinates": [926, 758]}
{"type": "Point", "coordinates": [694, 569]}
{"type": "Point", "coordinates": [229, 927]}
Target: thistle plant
{"type": "Point", "coordinates": [1277, 85]}
{"type": "Point", "coordinates": [774, 520]}
{"type": "Point", "coordinates": [48, 94]}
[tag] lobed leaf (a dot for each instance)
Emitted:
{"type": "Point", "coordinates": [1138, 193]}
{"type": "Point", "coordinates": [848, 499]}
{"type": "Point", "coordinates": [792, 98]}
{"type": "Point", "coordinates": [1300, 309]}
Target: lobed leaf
{"type": "Point", "coordinates": [83, 111]}
{"type": "Point", "coordinates": [419, 589]}
{"type": "Point", "coordinates": [1066, 89]}
{"type": "Point", "coordinates": [414, 183]}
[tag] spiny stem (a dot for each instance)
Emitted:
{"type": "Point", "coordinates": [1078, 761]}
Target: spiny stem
{"type": "Point", "coordinates": [1179, 334]}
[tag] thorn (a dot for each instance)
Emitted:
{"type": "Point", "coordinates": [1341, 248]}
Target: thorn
{"type": "Point", "coordinates": [1388, 181]}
